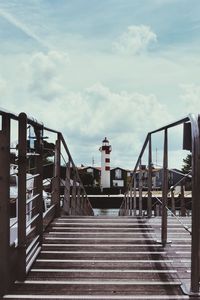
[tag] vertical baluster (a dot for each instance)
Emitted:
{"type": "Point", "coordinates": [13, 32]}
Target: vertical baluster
{"type": "Point", "coordinates": [149, 203]}
{"type": "Point", "coordinates": [5, 205]}
{"type": "Point", "coordinates": [39, 181]}
{"type": "Point", "coordinates": [73, 200]}
{"type": "Point", "coordinates": [131, 198]}
{"type": "Point", "coordinates": [66, 204]}
{"type": "Point", "coordinates": [195, 257]}
{"type": "Point", "coordinates": [22, 164]}
{"type": "Point", "coordinates": [164, 190]}
{"type": "Point", "coordinates": [173, 202]}
{"type": "Point", "coordinates": [56, 179]}
{"type": "Point", "coordinates": [78, 202]}
{"type": "Point", "coordinates": [183, 209]}
{"type": "Point", "coordinates": [140, 191]}
{"type": "Point", "coordinates": [135, 195]}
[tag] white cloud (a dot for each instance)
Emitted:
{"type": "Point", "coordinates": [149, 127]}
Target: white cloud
{"type": "Point", "coordinates": [86, 117]}
{"type": "Point", "coordinates": [45, 68]}
{"type": "Point", "coordinates": [23, 27]}
{"type": "Point", "coordinates": [191, 98]}
{"type": "Point", "coordinates": [135, 40]}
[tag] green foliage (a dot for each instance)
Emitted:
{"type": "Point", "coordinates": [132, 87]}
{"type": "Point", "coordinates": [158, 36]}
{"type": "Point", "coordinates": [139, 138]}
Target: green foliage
{"type": "Point", "coordinates": [187, 164]}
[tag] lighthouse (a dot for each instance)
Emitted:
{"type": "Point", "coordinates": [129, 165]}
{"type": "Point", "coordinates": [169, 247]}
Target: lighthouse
{"type": "Point", "coordinates": [105, 150]}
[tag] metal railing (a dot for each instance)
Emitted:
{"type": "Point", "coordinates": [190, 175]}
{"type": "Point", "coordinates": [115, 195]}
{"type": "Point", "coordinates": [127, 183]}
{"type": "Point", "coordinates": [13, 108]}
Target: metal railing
{"type": "Point", "coordinates": [133, 199]}
{"type": "Point", "coordinates": [26, 208]}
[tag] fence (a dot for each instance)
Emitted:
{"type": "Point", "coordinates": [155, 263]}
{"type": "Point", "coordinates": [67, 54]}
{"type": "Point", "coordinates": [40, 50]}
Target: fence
{"type": "Point", "coordinates": [26, 205]}
{"type": "Point", "coordinates": [191, 142]}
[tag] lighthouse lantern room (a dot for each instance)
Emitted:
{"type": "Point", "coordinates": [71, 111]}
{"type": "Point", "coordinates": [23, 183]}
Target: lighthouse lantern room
{"type": "Point", "coordinates": [105, 150]}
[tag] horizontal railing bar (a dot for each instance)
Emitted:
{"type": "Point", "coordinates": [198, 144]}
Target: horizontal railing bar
{"type": "Point", "coordinates": [32, 260]}
{"type": "Point", "coordinates": [51, 130]}
{"type": "Point", "coordinates": [32, 154]}
{"type": "Point", "coordinates": [179, 122]}
{"type": "Point", "coordinates": [14, 223]}
{"type": "Point", "coordinates": [32, 220]}
{"type": "Point", "coordinates": [31, 253]}
{"type": "Point", "coordinates": [48, 210]}
{"type": "Point", "coordinates": [32, 244]}
{"type": "Point", "coordinates": [32, 198]}
{"type": "Point", "coordinates": [28, 234]}
{"type": "Point", "coordinates": [30, 210]}
{"type": "Point", "coordinates": [32, 177]}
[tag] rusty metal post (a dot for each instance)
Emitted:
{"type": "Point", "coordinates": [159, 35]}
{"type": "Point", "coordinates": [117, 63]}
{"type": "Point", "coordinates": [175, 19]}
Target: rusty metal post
{"type": "Point", "coordinates": [73, 200]}
{"type": "Point", "coordinates": [140, 191]}
{"type": "Point", "coordinates": [164, 190]}
{"type": "Point", "coordinates": [183, 209]}
{"type": "Point", "coordinates": [78, 202]}
{"type": "Point", "coordinates": [66, 204]}
{"type": "Point", "coordinates": [195, 257]}
{"type": "Point", "coordinates": [125, 204]}
{"type": "Point", "coordinates": [56, 179]}
{"type": "Point", "coordinates": [82, 201]}
{"type": "Point", "coordinates": [135, 196]}
{"type": "Point", "coordinates": [39, 181]}
{"type": "Point", "coordinates": [4, 205]}
{"type": "Point", "coordinates": [173, 202]}
{"type": "Point", "coordinates": [22, 164]}
{"type": "Point", "coordinates": [149, 202]}
{"type": "Point", "coordinates": [131, 199]}
{"type": "Point", "coordinates": [128, 203]}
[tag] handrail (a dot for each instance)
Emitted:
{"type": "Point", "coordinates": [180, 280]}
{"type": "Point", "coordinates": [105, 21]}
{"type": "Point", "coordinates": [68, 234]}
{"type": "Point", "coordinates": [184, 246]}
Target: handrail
{"type": "Point", "coordinates": [127, 207]}
{"type": "Point", "coordinates": [29, 205]}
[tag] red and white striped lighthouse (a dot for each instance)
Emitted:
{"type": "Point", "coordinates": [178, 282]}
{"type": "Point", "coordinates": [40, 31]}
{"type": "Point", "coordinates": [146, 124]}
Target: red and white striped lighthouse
{"type": "Point", "coordinates": [105, 150]}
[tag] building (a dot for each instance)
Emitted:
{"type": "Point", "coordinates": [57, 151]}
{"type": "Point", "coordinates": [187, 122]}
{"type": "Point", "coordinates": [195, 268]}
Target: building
{"type": "Point", "coordinates": [174, 176]}
{"type": "Point", "coordinates": [90, 176]}
{"type": "Point", "coordinates": [119, 177]}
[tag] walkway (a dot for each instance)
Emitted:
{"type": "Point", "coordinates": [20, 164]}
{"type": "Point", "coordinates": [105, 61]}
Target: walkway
{"type": "Point", "coordinates": [107, 258]}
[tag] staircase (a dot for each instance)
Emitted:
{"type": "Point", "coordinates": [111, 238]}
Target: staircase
{"type": "Point", "coordinates": [100, 258]}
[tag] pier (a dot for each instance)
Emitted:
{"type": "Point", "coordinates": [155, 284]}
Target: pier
{"type": "Point", "coordinates": [63, 251]}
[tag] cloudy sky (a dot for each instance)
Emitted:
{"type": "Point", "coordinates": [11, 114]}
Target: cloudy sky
{"type": "Point", "coordinates": [90, 68]}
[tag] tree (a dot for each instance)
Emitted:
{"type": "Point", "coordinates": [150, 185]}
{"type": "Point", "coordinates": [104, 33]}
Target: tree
{"type": "Point", "coordinates": [187, 164]}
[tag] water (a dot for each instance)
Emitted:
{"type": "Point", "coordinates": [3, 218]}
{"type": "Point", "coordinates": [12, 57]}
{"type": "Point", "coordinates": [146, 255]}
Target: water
{"type": "Point", "coordinates": [106, 211]}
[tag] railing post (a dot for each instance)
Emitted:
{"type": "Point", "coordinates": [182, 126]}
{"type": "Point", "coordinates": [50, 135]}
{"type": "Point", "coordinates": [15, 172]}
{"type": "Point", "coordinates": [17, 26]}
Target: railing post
{"type": "Point", "coordinates": [73, 200]}
{"type": "Point", "coordinates": [135, 196]}
{"type": "Point", "coordinates": [183, 209]}
{"type": "Point", "coordinates": [78, 202]}
{"type": "Point", "coordinates": [164, 190]}
{"type": "Point", "coordinates": [131, 199]}
{"type": "Point", "coordinates": [82, 201]}
{"type": "Point", "coordinates": [149, 203]}
{"type": "Point", "coordinates": [66, 204]}
{"type": "Point", "coordinates": [140, 191]}
{"type": "Point", "coordinates": [125, 204]}
{"type": "Point", "coordinates": [22, 165]}
{"type": "Point", "coordinates": [128, 203]}
{"type": "Point", "coordinates": [195, 257]}
{"type": "Point", "coordinates": [39, 181]}
{"type": "Point", "coordinates": [56, 179]}
{"type": "Point", "coordinates": [5, 205]}
{"type": "Point", "coordinates": [173, 202]}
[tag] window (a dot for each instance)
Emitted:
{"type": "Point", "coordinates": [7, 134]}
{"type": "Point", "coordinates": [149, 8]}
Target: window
{"type": "Point", "coordinates": [107, 160]}
{"type": "Point", "coordinates": [107, 168]}
{"type": "Point", "coordinates": [118, 174]}
{"type": "Point", "coordinates": [90, 170]}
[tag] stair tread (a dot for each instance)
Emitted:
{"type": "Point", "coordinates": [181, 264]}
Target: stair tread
{"type": "Point", "coordinates": [106, 257]}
